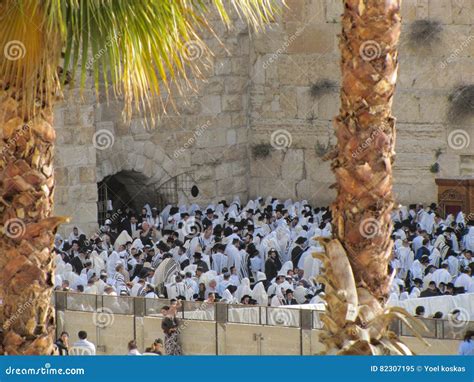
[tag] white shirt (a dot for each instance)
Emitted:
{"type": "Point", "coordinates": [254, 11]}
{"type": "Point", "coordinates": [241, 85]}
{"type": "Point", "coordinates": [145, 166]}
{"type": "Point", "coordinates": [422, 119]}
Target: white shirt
{"type": "Point", "coordinates": [85, 344]}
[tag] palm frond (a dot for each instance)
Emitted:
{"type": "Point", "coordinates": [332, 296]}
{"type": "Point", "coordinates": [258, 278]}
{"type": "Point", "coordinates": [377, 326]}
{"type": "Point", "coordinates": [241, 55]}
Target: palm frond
{"type": "Point", "coordinates": [138, 48]}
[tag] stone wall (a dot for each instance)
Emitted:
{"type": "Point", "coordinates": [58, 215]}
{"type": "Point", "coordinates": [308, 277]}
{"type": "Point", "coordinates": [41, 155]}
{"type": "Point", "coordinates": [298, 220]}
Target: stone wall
{"type": "Point", "coordinates": [259, 92]}
{"type": "Point", "coordinates": [302, 50]}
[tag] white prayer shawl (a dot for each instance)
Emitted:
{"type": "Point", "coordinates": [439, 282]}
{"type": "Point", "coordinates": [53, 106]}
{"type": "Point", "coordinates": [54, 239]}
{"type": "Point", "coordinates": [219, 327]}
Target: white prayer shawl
{"type": "Point", "coordinates": [460, 218]}
{"type": "Point", "coordinates": [98, 264]}
{"type": "Point", "coordinates": [243, 289]}
{"type": "Point", "coordinates": [454, 240]}
{"type": "Point", "coordinates": [259, 294]}
{"type": "Point", "coordinates": [406, 257]}
{"type": "Point", "coordinates": [464, 281]}
{"type": "Point", "coordinates": [299, 294]}
{"type": "Point", "coordinates": [233, 257]}
{"type": "Point", "coordinates": [417, 270]}
{"type": "Point", "coordinates": [435, 257]}
{"type": "Point", "coordinates": [453, 266]}
{"type": "Point", "coordinates": [441, 276]}
{"type": "Point", "coordinates": [112, 262]}
{"type": "Point", "coordinates": [312, 268]}
{"type": "Point", "coordinates": [468, 239]}
{"type": "Point", "coordinates": [227, 297]}
{"type": "Point", "coordinates": [219, 261]}
{"type": "Point", "coordinates": [60, 264]}
{"type": "Point", "coordinates": [417, 243]}
{"type": "Point", "coordinates": [122, 239]}
{"type": "Point", "coordinates": [427, 222]}
{"type": "Point", "coordinates": [70, 276]}
{"type": "Point", "coordinates": [73, 237]}
{"type": "Point", "coordinates": [286, 267]}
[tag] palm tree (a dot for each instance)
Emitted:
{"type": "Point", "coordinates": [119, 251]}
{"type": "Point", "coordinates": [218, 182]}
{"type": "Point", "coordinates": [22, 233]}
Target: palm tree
{"type": "Point", "coordinates": [356, 261]}
{"type": "Point", "coordinates": [138, 49]}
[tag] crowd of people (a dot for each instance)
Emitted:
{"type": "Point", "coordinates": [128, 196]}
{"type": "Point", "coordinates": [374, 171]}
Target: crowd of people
{"type": "Point", "coordinates": [258, 254]}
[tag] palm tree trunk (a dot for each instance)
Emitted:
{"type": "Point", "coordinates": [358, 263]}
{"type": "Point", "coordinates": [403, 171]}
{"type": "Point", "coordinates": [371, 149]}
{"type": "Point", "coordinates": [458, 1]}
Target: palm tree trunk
{"type": "Point", "coordinates": [26, 199]}
{"type": "Point", "coordinates": [356, 261]}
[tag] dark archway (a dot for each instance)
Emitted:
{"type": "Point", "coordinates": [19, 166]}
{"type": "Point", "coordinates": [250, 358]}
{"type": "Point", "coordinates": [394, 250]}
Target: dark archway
{"type": "Point", "coordinates": [124, 189]}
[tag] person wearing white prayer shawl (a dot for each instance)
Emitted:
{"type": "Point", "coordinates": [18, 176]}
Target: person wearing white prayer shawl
{"type": "Point", "coordinates": [191, 284]}
{"type": "Point", "coordinates": [468, 240]}
{"type": "Point", "coordinates": [464, 280]}
{"type": "Point", "coordinates": [98, 263]}
{"type": "Point", "coordinates": [177, 288]}
{"type": "Point", "coordinates": [441, 275]}
{"type": "Point", "coordinates": [119, 277]}
{"type": "Point", "coordinates": [453, 263]}
{"type": "Point", "coordinates": [465, 259]}
{"type": "Point", "coordinates": [112, 262]}
{"type": "Point", "coordinates": [218, 258]}
{"type": "Point", "coordinates": [276, 286]}
{"type": "Point", "coordinates": [71, 276]}
{"type": "Point", "coordinates": [427, 221]}
{"type": "Point", "coordinates": [74, 235]}
{"type": "Point", "coordinates": [234, 277]}
{"type": "Point", "coordinates": [211, 288]}
{"type": "Point", "coordinates": [243, 289]}
{"type": "Point", "coordinates": [91, 287]}
{"type": "Point", "coordinates": [227, 297]}
{"type": "Point", "coordinates": [300, 294]}
{"type": "Point", "coordinates": [415, 291]}
{"type": "Point", "coordinates": [258, 293]}
{"type": "Point", "coordinates": [150, 291]}
{"type": "Point", "coordinates": [418, 240]}
{"type": "Point", "coordinates": [428, 276]}
{"type": "Point", "coordinates": [417, 269]}
{"type": "Point", "coordinates": [460, 218]}
{"type": "Point", "coordinates": [435, 257]}
{"type": "Point", "coordinates": [223, 284]}
{"type": "Point", "coordinates": [137, 288]}
{"type": "Point", "coordinates": [232, 251]}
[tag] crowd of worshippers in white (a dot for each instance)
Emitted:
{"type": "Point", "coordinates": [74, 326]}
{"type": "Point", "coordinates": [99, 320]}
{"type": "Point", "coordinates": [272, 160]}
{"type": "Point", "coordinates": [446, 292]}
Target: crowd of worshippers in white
{"type": "Point", "coordinates": [257, 254]}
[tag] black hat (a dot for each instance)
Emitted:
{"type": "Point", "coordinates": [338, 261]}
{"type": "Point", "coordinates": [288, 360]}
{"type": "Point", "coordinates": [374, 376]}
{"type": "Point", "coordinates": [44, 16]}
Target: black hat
{"type": "Point", "coordinates": [209, 211]}
{"type": "Point", "coordinates": [300, 240]}
{"type": "Point", "coordinates": [184, 214]}
{"type": "Point", "coordinates": [197, 212]}
{"type": "Point", "coordinates": [197, 255]}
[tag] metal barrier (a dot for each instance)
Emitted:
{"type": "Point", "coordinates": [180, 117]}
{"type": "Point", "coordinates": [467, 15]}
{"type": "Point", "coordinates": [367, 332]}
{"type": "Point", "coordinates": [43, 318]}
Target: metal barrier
{"type": "Point", "coordinates": [238, 314]}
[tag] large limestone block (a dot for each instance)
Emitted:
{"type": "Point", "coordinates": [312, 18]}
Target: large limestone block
{"type": "Point", "coordinates": [293, 164]}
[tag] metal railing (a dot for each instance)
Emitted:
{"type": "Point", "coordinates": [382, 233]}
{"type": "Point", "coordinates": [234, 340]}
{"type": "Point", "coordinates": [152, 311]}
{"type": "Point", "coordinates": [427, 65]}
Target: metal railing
{"type": "Point", "coordinates": [238, 314]}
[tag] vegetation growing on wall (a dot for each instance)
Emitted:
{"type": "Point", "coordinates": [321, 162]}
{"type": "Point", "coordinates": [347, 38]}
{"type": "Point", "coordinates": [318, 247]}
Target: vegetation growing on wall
{"type": "Point", "coordinates": [461, 102]}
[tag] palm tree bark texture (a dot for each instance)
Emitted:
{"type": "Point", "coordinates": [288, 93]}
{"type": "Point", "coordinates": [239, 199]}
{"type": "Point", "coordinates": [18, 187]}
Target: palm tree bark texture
{"type": "Point", "coordinates": [356, 261]}
{"type": "Point", "coordinates": [26, 261]}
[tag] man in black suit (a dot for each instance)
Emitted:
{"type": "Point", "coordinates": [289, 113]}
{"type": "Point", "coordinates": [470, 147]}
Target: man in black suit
{"type": "Point", "coordinates": [131, 226]}
{"type": "Point", "coordinates": [430, 291]}
{"type": "Point", "coordinates": [289, 299]}
{"type": "Point", "coordinates": [297, 251]}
